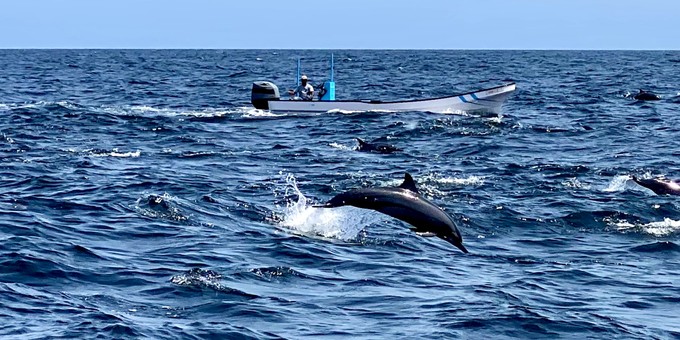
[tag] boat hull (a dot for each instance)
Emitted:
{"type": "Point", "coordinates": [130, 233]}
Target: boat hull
{"type": "Point", "coordinates": [487, 100]}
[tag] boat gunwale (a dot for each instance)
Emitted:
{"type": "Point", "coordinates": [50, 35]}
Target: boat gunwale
{"type": "Point", "coordinates": [370, 101]}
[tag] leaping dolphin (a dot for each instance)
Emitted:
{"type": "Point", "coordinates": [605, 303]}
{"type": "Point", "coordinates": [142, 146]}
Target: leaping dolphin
{"type": "Point", "coordinates": [659, 187]}
{"type": "Point", "coordinates": [404, 203]}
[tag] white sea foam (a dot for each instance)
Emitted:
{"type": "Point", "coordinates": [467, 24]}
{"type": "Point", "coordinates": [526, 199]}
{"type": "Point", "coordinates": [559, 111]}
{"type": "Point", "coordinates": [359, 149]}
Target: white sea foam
{"type": "Point", "coordinates": [114, 153]}
{"type": "Point", "coordinates": [348, 112]}
{"type": "Point", "coordinates": [452, 112]}
{"type": "Point", "coordinates": [576, 184]}
{"type": "Point", "coordinates": [257, 113]}
{"type": "Point", "coordinates": [496, 120]}
{"type": "Point", "coordinates": [340, 146]}
{"type": "Point", "coordinates": [144, 110]}
{"type": "Point", "coordinates": [660, 228]}
{"type": "Point", "coordinates": [470, 180]}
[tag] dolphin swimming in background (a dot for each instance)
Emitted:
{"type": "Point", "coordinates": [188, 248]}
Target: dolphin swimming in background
{"type": "Point", "coordinates": [404, 203]}
{"type": "Point", "coordinates": [659, 187]}
{"type": "Point", "coordinates": [376, 147]}
{"type": "Point", "coordinates": [644, 95]}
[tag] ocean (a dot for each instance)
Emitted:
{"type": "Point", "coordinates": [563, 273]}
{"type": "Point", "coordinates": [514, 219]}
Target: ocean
{"type": "Point", "coordinates": [143, 197]}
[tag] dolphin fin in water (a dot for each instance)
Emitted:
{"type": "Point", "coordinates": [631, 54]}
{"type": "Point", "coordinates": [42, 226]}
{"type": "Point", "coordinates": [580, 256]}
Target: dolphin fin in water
{"type": "Point", "coordinates": [409, 183]}
{"type": "Point", "coordinates": [375, 147]}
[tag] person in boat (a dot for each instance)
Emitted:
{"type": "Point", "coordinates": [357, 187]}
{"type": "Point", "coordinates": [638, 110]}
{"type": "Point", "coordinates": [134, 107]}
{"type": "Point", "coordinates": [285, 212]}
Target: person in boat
{"type": "Point", "coordinates": [304, 91]}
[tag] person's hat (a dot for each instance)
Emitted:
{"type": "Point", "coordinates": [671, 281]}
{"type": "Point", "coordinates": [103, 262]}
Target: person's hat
{"type": "Point", "coordinates": [304, 77]}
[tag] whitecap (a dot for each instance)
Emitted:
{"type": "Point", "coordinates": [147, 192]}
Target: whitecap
{"type": "Point", "coordinates": [465, 181]}
{"type": "Point", "coordinates": [576, 184]}
{"type": "Point", "coordinates": [114, 153]}
{"type": "Point", "coordinates": [660, 228]}
{"type": "Point", "coordinates": [340, 146]}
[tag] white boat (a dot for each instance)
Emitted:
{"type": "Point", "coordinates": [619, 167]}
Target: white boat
{"type": "Point", "coordinates": [487, 100]}
{"type": "Point", "coordinates": [265, 96]}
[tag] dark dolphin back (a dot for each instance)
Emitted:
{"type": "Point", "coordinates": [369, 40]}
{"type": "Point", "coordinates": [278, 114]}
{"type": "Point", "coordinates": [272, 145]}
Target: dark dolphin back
{"type": "Point", "coordinates": [644, 95]}
{"type": "Point", "coordinates": [659, 187]}
{"type": "Point", "coordinates": [362, 144]}
{"type": "Point", "coordinates": [375, 147]}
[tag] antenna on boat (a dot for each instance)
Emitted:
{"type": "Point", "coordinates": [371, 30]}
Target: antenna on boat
{"type": "Point", "coordinates": [297, 76]}
{"type": "Point", "coordinates": [332, 66]}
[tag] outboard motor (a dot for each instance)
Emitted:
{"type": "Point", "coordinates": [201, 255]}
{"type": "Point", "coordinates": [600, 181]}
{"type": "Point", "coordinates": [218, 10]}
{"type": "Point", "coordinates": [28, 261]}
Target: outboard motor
{"type": "Point", "coordinates": [262, 93]}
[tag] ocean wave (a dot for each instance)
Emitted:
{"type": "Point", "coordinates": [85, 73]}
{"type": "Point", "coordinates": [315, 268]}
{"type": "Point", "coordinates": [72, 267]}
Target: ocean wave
{"type": "Point", "coordinates": [143, 197]}
{"type": "Point", "coordinates": [199, 278]}
{"type": "Point", "coordinates": [112, 153]}
{"type": "Point", "coordinates": [658, 247]}
{"type": "Point", "coordinates": [659, 229]}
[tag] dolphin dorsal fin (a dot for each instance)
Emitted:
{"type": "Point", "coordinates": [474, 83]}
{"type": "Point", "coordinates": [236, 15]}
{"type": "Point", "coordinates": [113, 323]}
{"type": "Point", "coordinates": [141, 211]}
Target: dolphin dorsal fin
{"type": "Point", "coordinates": [409, 183]}
{"type": "Point", "coordinates": [361, 141]}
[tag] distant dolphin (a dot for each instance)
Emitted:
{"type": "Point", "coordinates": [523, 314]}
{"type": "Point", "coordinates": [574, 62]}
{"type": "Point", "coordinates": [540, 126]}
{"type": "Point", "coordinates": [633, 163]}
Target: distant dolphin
{"type": "Point", "coordinates": [644, 95]}
{"type": "Point", "coordinates": [658, 186]}
{"type": "Point", "coordinates": [376, 147]}
{"type": "Point", "coordinates": [404, 203]}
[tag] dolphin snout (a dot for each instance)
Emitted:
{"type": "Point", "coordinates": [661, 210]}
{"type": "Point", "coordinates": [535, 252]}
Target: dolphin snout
{"type": "Point", "coordinates": [457, 243]}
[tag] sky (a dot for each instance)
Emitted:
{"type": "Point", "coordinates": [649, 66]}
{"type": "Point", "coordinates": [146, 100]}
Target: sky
{"type": "Point", "coordinates": [342, 24]}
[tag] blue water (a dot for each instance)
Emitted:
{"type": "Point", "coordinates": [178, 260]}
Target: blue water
{"type": "Point", "coordinates": [142, 197]}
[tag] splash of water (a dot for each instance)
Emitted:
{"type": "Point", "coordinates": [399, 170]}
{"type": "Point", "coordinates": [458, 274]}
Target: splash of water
{"type": "Point", "coordinates": [340, 146]}
{"type": "Point", "coordinates": [299, 216]}
{"type": "Point", "coordinates": [617, 184]}
{"type": "Point", "coordinates": [576, 184]}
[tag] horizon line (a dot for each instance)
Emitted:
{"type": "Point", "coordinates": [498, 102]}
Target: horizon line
{"type": "Point", "coordinates": [336, 49]}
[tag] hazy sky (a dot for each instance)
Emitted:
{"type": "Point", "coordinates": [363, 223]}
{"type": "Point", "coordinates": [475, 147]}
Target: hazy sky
{"type": "Point", "coordinates": [341, 24]}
